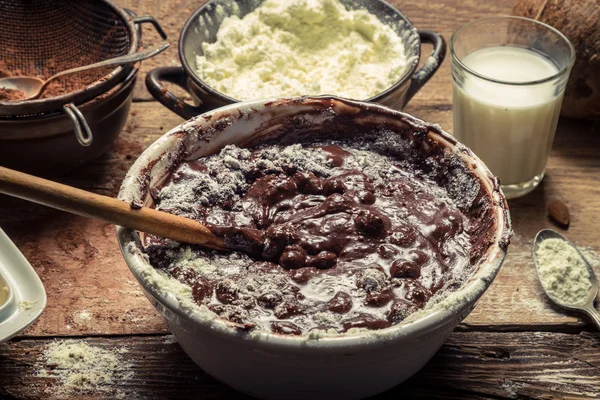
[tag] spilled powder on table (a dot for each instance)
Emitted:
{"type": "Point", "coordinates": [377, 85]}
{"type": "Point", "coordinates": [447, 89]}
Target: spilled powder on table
{"type": "Point", "coordinates": [84, 315]}
{"type": "Point", "coordinates": [79, 368]}
{"type": "Point", "coordinates": [170, 339]}
{"type": "Point", "coordinates": [511, 388]}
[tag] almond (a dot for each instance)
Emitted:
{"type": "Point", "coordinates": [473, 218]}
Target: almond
{"type": "Point", "coordinates": [559, 213]}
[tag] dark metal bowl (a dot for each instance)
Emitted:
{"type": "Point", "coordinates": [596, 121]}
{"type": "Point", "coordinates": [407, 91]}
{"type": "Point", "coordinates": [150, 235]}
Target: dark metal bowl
{"type": "Point", "coordinates": [203, 24]}
{"type": "Point", "coordinates": [75, 129]}
{"type": "Point", "coordinates": [47, 144]}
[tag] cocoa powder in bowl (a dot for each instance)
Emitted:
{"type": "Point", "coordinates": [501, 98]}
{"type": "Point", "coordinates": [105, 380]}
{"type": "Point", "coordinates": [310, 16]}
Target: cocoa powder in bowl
{"type": "Point", "coordinates": [11, 94]}
{"type": "Point", "coordinates": [59, 87]}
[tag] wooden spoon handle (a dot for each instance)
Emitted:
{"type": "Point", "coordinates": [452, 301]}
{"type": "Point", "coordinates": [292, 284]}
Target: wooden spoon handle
{"type": "Point", "coordinates": [115, 211]}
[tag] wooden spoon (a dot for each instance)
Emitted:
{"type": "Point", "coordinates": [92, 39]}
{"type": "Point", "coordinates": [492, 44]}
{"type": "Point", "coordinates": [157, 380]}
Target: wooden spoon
{"type": "Point", "coordinates": [106, 208]}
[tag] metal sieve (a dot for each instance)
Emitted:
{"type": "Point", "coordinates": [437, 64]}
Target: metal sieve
{"type": "Point", "coordinates": [43, 37]}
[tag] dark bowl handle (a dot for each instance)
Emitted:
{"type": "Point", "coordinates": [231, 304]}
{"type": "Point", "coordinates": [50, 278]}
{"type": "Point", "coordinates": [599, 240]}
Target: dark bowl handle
{"type": "Point", "coordinates": [142, 19]}
{"type": "Point", "coordinates": [83, 133]}
{"type": "Point", "coordinates": [421, 76]}
{"type": "Point", "coordinates": [177, 76]}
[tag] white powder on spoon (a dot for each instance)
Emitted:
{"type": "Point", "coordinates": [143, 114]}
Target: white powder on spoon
{"type": "Point", "coordinates": [562, 271]}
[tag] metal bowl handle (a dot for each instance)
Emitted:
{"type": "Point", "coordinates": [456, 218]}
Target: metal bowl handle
{"type": "Point", "coordinates": [150, 19]}
{"type": "Point", "coordinates": [423, 74]}
{"type": "Point", "coordinates": [177, 76]}
{"type": "Point", "coordinates": [83, 133]}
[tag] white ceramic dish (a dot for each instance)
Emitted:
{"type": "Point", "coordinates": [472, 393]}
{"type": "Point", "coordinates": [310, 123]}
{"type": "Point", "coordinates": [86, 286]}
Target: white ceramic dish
{"type": "Point", "coordinates": [26, 295]}
{"type": "Point", "coordinates": [272, 366]}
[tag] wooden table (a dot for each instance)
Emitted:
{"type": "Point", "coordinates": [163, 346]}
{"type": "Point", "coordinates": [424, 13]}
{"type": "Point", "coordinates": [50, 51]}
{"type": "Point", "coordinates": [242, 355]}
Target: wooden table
{"type": "Point", "coordinates": [515, 344]}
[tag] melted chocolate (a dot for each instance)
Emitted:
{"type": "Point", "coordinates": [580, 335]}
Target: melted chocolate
{"type": "Point", "coordinates": [330, 252]}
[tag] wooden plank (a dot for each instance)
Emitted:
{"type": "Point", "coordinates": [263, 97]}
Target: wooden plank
{"type": "Point", "coordinates": [82, 268]}
{"type": "Point", "coordinates": [531, 365]}
{"type": "Point", "coordinates": [471, 365]}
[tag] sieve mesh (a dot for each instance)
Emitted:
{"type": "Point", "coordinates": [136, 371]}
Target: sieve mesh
{"type": "Point", "coordinates": [43, 37]}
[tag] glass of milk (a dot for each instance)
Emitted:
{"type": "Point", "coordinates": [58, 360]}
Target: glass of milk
{"type": "Point", "coordinates": [509, 75]}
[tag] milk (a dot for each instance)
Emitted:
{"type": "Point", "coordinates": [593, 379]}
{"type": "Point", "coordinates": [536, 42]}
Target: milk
{"type": "Point", "coordinates": [511, 128]}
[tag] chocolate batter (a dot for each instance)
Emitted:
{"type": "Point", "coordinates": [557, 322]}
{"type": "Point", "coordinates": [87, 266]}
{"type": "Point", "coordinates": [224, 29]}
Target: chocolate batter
{"type": "Point", "coordinates": [339, 237]}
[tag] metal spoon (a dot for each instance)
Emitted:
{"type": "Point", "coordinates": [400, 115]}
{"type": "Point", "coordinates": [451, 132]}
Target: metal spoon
{"type": "Point", "coordinates": [33, 87]}
{"type": "Point", "coordinates": [587, 304]}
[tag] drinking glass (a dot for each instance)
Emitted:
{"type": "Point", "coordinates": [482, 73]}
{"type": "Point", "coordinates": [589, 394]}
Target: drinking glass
{"type": "Point", "coordinates": [509, 76]}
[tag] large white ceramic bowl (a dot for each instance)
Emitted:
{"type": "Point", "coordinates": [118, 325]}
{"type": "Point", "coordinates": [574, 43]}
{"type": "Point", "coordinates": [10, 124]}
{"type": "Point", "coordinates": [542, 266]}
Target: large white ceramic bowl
{"type": "Point", "coordinates": [273, 366]}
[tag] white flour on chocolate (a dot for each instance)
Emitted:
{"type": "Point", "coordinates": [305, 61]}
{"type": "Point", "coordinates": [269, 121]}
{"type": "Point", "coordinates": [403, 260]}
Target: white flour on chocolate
{"type": "Point", "coordinates": [224, 177]}
{"type": "Point", "coordinates": [255, 293]}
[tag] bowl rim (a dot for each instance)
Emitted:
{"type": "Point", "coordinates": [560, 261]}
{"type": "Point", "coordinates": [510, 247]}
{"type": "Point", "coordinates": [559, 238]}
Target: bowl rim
{"type": "Point", "coordinates": [451, 307]}
{"type": "Point", "coordinates": [408, 73]}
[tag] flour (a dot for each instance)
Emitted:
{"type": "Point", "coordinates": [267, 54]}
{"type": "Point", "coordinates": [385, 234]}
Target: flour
{"type": "Point", "coordinates": [224, 177]}
{"type": "Point", "coordinates": [165, 286]}
{"type": "Point", "coordinates": [80, 368]}
{"type": "Point", "coordinates": [301, 47]}
{"type": "Point", "coordinates": [563, 272]}
{"type": "Point", "coordinates": [26, 305]}
{"type": "Point", "coordinates": [591, 256]}
{"type": "Point", "coordinates": [84, 315]}
{"type": "Point", "coordinates": [170, 339]}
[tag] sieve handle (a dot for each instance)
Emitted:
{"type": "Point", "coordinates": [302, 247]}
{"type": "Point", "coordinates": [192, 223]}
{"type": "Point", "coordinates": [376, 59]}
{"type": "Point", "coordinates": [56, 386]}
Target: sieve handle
{"type": "Point", "coordinates": [434, 61]}
{"type": "Point", "coordinates": [150, 19]}
{"type": "Point", "coordinates": [177, 76]}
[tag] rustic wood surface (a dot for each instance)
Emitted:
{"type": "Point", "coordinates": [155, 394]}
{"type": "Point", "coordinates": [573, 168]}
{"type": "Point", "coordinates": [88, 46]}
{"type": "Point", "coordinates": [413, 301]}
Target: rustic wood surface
{"type": "Point", "coordinates": [491, 365]}
{"type": "Point", "coordinates": [515, 344]}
